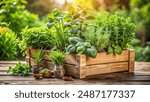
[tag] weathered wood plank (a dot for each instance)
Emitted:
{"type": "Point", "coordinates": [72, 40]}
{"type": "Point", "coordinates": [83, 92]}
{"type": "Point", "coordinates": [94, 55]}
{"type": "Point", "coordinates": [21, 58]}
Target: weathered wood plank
{"type": "Point", "coordinates": [11, 62]}
{"type": "Point", "coordinates": [131, 60]}
{"type": "Point", "coordinates": [141, 76]}
{"type": "Point", "coordinates": [103, 57]}
{"type": "Point", "coordinates": [106, 68]}
{"type": "Point", "coordinates": [75, 82]}
{"type": "Point", "coordinates": [46, 53]}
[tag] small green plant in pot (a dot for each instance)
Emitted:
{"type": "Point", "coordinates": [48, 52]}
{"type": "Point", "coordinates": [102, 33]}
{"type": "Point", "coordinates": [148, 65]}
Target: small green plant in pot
{"type": "Point", "coordinates": [57, 58]}
{"type": "Point", "coordinates": [38, 57]}
{"type": "Point", "coordinates": [46, 73]}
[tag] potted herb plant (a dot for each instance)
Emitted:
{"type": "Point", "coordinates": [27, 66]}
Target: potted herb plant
{"type": "Point", "coordinates": [57, 58]}
{"type": "Point", "coordinates": [46, 73]}
{"type": "Point", "coordinates": [38, 57]}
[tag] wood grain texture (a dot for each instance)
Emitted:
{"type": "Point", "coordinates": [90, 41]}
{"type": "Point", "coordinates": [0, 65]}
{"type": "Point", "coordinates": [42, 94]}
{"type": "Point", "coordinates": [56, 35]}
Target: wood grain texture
{"type": "Point", "coordinates": [71, 59]}
{"type": "Point", "coordinates": [103, 57]}
{"type": "Point", "coordinates": [106, 68]}
{"type": "Point", "coordinates": [103, 63]}
{"type": "Point", "coordinates": [131, 60]}
{"type": "Point", "coordinates": [141, 76]}
{"type": "Point", "coordinates": [28, 52]}
{"type": "Point", "coordinates": [71, 70]}
{"type": "Point", "coordinates": [46, 53]}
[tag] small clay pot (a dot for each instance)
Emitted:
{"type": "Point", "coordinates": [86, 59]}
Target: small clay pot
{"type": "Point", "coordinates": [37, 76]}
{"type": "Point", "coordinates": [46, 74]}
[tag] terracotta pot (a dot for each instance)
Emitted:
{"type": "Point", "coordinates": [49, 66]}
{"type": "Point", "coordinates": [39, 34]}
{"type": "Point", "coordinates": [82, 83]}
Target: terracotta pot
{"type": "Point", "coordinates": [46, 74]}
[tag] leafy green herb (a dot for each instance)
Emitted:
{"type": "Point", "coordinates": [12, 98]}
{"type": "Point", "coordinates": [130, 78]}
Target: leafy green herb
{"type": "Point", "coordinates": [57, 57]}
{"type": "Point", "coordinates": [121, 31]}
{"type": "Point", "coordinates": [37, 37]}
{"type": "Point", "coordinates": [65, 25]}
{"type": "Point", "coordinates": [8, 47]}
{"type": "Point", "coordinates": [79, 46]}
{"type": "Point", "coordinates": [92, 52]}
{"type": "Point", "coordinates": [20, 69]}
{"type": "Point", "coordinates": [14, 13]}
{"type": "Point", "coordinates": [97, 36]}
{"type": "Point", "coordinates": [38, 56]}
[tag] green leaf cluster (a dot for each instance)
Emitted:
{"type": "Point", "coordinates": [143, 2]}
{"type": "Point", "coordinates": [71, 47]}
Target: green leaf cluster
{"type": "Point", "coordinates": [121, 31]}
{"type": "Point", "coordinates": [8, 47]}
{"type": "Point", "coordinates": [38, 57]}
{"type": "Point", "coordinates": [20, 69]}
{"type": "Point", "coordinates": [14, 14]}
{"type": "Point", "coordinates": [37, 37]}
{"type": "Point", "coordinates": [98, 37]}
{"type": "Point", "coordinates": [141, 53]}
{"type": "Point", "coordinates": [57, 57]}
{"type": "Point", "coordinates": [139, 13]}
{"type": "Point", "coordinates": [45, 70]}
{"type": "Point", "coordinates": [65, 25]}
{"type": "Point", "coordinates": [79, 46]}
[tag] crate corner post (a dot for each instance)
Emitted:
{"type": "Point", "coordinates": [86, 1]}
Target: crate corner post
{"type": "Point", "coordinates": [131, 60]}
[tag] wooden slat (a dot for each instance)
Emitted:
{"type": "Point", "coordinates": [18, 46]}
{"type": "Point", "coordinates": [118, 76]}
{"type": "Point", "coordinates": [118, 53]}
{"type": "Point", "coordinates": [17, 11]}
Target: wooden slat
{"type": "Point", "coordinates": [121, 77]}
{"type": "Point", "coordinates": [2, 69]}
{"type": "Point", "coordinates": [11, 62]}
{"type": "Point", "coordinates": [103, 57]}
{"type": "Point", "coordinates": [46, 53]}
{"type": "Point", "coordinates": [75, 82]}
{"type": "Point", "coordinates": [72, 70]}
{"type": "Point", "coordinates": [71, 59]}
{"type": "Point", "coordinates": [131, 60]}
{"type": "Point", "coordinates": [141, 76]}
{"type": "Point", "coordinates": [49, 64]}
{"type": "Point", "coordinates": [106, 68]}
{"type": "Point", "coordinates": [46, 63]}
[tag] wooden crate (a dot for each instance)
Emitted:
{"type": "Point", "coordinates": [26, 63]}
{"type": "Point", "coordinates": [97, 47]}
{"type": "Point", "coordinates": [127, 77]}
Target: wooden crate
{"type": "Point", "coordinates": [30, 58]}
{"type": "Point", "coordinates": [81, 66]}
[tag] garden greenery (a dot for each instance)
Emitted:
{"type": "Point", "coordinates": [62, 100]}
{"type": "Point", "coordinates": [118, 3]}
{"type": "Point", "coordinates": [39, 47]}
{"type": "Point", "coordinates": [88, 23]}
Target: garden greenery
{"type": "Point", "coordinates": [57, 57]}
{"type": "Point", "coordinates": [74, 32]}
{"type": "Point", "coordinates": [121, 31]}
{"type": "Point", "coordinates": [37, 37]}
{"type": "Point", "coordinates": [8, 47]}
{"type": "Point", "coordinates": [66, 24]}
{"type": "Point", "coordinates": [20, 69]}
{"type": "Point", "coordinates": [79, 46]}
{"type": "Point", "coordinates": [38, 56]}
{"type": "Point", "coordinates": [14, 14]}
{"type": "Point", "coordinates": [98, 36]}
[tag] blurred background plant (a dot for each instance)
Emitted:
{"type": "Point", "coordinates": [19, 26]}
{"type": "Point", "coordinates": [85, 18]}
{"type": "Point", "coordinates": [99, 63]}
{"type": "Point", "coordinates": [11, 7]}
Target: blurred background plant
{"type": "Point", "coordinates": [17, 14]}
{"type": "Point", "coordinates": [8, 48]}
{"type": "Point", "coordinates": [13, 13]}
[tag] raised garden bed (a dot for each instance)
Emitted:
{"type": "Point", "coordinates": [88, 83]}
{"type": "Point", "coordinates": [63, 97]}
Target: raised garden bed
{"type": "Point", "coordinates": [81, 66]}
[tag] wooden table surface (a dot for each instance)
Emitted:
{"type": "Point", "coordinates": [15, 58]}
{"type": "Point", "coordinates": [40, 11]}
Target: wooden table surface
{"type": "Point", "coordinates": [141, 76]}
